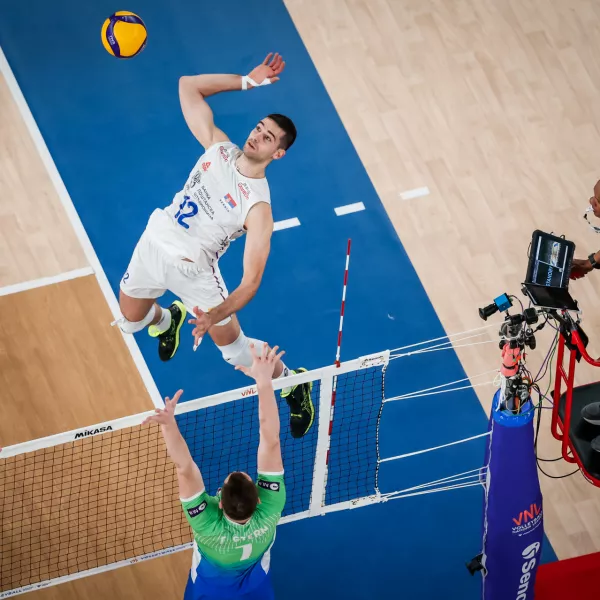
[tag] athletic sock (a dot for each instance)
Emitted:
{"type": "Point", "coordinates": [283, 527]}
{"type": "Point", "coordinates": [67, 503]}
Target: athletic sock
{"type": "Point", "coordinates": [165, 321]}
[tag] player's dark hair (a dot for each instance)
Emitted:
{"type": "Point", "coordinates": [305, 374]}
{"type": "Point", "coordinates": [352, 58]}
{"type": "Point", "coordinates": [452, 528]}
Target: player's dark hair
{"type": "Point", "coordinates": [239, 497]}
{"type": "Point", "coordinates": [289, 130]}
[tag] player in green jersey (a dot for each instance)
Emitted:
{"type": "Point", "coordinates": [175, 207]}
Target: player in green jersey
{"type": "Point", "coordinates": [233, 532]}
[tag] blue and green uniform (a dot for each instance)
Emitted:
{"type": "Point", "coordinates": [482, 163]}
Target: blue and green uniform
{"type": "Point", "coordinates": [232, 560]}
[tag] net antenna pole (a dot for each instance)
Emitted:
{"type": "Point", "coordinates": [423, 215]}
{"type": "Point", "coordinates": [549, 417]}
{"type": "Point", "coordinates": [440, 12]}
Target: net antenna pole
{"type": "Point", "coordinates": [339, 343]}
{"type": "Point", "coordinates": [343, 307]}
{"type": "Point", "coordinates": [326, 407]}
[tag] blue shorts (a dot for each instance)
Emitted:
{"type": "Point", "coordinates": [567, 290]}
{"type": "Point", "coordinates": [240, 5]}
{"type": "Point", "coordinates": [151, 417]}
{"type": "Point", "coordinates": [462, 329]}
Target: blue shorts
{"type": "Point", "coordinates": [195, 591]}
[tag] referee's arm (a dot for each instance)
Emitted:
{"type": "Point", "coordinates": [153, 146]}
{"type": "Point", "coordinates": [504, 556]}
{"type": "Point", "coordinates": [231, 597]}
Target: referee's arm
{"type": "Point", "coordinates": [580, 267]}
{"type": "Point", "coordinates": [188, 474]}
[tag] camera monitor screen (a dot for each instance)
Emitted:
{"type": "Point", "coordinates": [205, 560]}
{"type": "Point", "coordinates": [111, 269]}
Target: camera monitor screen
{"type": "Point", "coordinates": [547, 280]}
{"type": "Point", "coordinates": [550, 260]}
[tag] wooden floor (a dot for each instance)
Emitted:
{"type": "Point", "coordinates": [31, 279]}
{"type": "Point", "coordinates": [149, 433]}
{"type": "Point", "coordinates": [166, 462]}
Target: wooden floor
{"type": "Point", "coordinates": [48, 368]}
{"type": "Point", "coordinates": [491, 104]}
{"type": "Point", "coordinates": [36, 239]}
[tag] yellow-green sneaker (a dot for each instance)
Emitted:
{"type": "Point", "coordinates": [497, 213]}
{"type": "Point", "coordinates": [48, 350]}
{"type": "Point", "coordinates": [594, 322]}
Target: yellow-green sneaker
{"type": "Point", "coordinates": [168, 341]}
{"type": "Point", "coordinates": [302, 409]}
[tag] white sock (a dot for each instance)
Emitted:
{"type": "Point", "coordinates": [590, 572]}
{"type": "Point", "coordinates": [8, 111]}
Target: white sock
{"type": "Point", "coordinates": [165, 321]}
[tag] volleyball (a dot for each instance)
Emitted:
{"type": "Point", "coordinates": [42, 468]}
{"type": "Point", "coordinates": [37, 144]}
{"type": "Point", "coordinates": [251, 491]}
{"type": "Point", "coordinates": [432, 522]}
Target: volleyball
{"type": "Point", "coordinates": [124, 34]}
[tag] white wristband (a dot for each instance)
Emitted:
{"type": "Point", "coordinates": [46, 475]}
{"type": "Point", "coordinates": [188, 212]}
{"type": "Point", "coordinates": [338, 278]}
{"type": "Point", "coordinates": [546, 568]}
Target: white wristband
{"type": "Point", "coordinates": [247, 80]}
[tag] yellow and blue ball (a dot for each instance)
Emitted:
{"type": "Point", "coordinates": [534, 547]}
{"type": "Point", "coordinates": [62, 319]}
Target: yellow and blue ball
{"type": "Point", "coordinates": [124, 34]}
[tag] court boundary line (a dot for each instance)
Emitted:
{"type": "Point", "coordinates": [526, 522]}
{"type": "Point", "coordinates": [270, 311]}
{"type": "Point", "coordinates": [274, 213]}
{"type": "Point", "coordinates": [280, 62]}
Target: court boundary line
{"type": "Point", "coordinates": [77, 225]}
{"type": "Point", "coordinates": [32, 284]}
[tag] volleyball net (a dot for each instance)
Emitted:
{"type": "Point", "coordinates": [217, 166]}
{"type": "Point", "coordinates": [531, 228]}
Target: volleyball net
{"type": "Point", "coordinates": [106, 496]}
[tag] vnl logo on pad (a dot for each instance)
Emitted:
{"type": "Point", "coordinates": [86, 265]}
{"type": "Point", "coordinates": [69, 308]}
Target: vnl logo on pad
{"type": "Point", "coordinates": [528, 520]}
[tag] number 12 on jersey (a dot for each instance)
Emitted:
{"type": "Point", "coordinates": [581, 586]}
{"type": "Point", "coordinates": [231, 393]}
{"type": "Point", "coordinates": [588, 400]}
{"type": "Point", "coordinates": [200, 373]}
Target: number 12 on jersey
{"type": "Point", "coordinates": [182, 216]}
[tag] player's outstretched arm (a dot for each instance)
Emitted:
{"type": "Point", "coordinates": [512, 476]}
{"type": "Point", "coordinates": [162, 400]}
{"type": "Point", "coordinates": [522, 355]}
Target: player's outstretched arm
{"type": "Point", "coordinates": [188, 473]}
{"type": "Point", "coordinates": [194, 89]}
{"type": "Point", "coordinates": [269, 448]}
{"type": "Point", "coordinates": [259, 225]}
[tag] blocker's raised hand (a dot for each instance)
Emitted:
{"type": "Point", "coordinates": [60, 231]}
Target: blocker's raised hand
{"type": "Point", "coordinates": [262, 366]}
{"type": "Point", "coordinates": [165, 416]}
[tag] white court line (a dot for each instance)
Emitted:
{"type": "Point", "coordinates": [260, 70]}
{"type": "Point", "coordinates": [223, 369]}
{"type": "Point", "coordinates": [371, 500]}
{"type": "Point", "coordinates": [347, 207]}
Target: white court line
{"type": "Point", "coordinates": [416, 193]}
{"type": "Point", "coordinates": [286, 224]}
{"type": "Point", "coordinates": [44, 281]}
{"type": "Point", "coordinates": [349, 208]}
{"type": "Point", "coordinates": [82, 235]}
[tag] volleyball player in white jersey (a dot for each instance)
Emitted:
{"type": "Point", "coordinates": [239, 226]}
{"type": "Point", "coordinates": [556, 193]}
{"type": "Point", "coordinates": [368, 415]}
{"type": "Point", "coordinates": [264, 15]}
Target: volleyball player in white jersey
{"type": "Point", "coordinates": [226, 196]}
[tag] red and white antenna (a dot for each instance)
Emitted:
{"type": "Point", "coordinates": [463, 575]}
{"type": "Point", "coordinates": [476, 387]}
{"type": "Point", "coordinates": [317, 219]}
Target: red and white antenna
{"type": "Point", "coordinates": [339, 344]}
{"type": "Point", "coordinates": [337, 362]}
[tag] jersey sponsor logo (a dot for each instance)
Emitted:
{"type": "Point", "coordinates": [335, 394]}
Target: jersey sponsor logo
{"type": "Point", "coordinates": [88, 432]}
{"type": "Point", "coordinates": [529, 556]}
{"type": "Point", "coordinates": [202, 197]}
{"type": "Point", "coordinates": [244, 189]}
{"type": "Point", "coordinates": [272, 486]}
{"type": "Point", "coordinates": [195, 179]}
{"type": "Point", "coordinates": [205, 166]}
{"type": "Point", "coordinates": [223, 154]}
{"type": "Point", "coordinates": [196, 510]}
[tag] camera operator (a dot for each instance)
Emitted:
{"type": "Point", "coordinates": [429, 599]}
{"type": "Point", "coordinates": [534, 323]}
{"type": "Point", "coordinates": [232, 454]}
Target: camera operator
{"type": "Point", "coordinates": [582, 266]}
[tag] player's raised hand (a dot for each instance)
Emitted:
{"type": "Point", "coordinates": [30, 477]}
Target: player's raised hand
{"type": "Point", "coordinates": [270, 68]}
{"type": "Point", "coordinates": [263, 365]}
{"type": "Point", "coordinates": [166, 415]}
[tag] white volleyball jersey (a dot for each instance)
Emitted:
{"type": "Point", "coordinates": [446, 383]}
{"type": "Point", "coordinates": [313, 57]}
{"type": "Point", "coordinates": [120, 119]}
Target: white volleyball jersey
{"type": "Point", "coordinates": [211, 209]}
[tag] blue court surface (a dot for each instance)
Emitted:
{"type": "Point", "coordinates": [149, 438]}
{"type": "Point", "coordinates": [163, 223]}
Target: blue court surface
{"type": "Point", "coordinates": [117, 136]}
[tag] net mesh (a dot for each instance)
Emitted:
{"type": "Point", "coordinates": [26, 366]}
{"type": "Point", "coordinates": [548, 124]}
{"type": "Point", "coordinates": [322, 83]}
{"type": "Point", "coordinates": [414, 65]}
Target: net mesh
{"type": "Point", "coordinates": [224, 438]}
{"type": "Point", "coordinates": [86, 503]}
{"type": "Point", "coordinates": [100, 499]}
{"type": "Point", "coordinates": [353, 455]}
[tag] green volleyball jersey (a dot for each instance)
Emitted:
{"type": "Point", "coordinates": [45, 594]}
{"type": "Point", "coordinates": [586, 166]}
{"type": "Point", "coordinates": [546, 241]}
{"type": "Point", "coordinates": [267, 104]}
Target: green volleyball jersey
{"type": "Point", "coordinates": [230, 545]}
